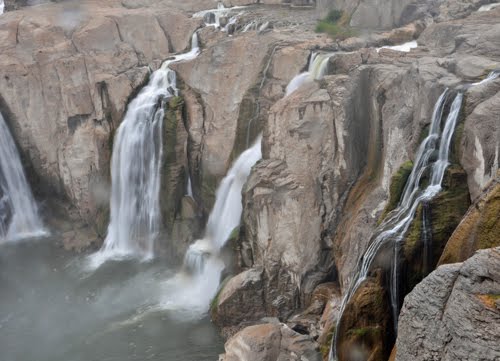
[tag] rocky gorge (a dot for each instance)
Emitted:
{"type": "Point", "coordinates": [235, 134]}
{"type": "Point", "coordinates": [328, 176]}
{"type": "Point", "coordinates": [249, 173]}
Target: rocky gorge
{"type": "Point", "coordinates": [337, 153]}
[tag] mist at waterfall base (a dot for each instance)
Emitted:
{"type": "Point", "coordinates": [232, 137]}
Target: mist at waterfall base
{"type": "Point", "coordinates": [51, 311]}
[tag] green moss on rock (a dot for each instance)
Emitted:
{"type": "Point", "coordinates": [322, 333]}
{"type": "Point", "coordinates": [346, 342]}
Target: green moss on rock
{"type": "Point", "coordinates": [477, 230]}
{"type": "Point", "coordinates": [398, 182]}
{"type": "Point", "coordinates": [444, 213]}
{"type": "Point", "coordinates": [336, 25]}
{"type": "Point", "coordinates": [173, 171]}
{"type": "Point", "coordinates": [324, 347]}
{"type": "Point", "coordinates": [215, 301]}
{"type": "Point", "coordinates": [366, 324]}
{"type": "Point", "coordinates": [102, 221]}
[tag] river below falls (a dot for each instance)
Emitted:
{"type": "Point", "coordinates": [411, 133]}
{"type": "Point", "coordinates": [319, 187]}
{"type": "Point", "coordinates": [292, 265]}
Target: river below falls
{"type": "Point", "coordinates": [52, 309]}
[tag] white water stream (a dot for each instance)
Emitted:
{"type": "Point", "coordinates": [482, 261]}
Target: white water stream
{"type": "Point", "coordinates": [406, 47]}
{"type": "Point", "coordinates": [18, 210]}
{"type": "Point", "coordinates": [488, 7]}
{"type": "Point", "coordinates": [190, 291]}
{"type": "Point", "coordinates": [318, 66]}
{"type": "Point", "coordinates": [218, 14]}
{"type": "Point", "coordinates": [136, 167]}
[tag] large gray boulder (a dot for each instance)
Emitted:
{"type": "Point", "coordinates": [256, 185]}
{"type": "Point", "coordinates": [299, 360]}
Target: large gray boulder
{"type": "Point", "coordinates": [454, 314]}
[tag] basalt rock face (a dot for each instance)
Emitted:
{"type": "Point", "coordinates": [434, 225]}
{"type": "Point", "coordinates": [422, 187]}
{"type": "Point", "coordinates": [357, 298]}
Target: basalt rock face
{"type": "Point", "coordinates": [212, 113]}
{"type": "Point", "coordinates": [390, 97]}
{"type": "Point", "coordinates": [66, 75]}
{"type": "Point", "coordinates": [454, 313]}
{"type": "Point", "coordinates": [284, 221]}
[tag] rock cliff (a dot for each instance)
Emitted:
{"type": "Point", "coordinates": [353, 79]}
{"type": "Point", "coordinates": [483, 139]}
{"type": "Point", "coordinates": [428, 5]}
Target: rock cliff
{"type": "Point", "coordinates": [336, 154]}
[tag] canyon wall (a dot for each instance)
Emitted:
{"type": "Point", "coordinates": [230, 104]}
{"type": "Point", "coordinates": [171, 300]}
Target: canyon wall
{"type": "Point", "coordinates": [335, 151]}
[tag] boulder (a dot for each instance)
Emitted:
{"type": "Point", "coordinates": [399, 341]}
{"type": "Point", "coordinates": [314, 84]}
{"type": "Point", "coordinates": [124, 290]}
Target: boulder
{"type": "Point", "coordinates": [270, 342]}
{"type": "Point", "coordinates": [454, 313]}
{"type": "Point", "coordinates": [245, 288]}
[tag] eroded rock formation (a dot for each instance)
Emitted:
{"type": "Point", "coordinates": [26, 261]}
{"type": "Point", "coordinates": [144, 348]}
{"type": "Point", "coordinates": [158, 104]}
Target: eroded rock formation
{"type": "Point", "coordinates": [335, 152]}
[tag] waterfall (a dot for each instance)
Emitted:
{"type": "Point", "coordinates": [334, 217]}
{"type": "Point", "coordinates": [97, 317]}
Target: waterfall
{"type": "Point", "coordinates": [488, 7]}
{"type": "Point", "coordinates": [212, 17]}
{"type": "Point", "coordinates": [18, 210]}
{"type": "Point", "coordinates": [491, 76]}
{"type": "Point", "coordinates": [136, 168]}
{"type": "Point", "coordinates": [392, 231]}
{"type": "Point", "coordinates": [227, 209]}
{"type": "Point", "coordinates": [405, 48]}
{"type": "Point", "coordinates": [2, 6]}
{"type": "Point", "coordinates": [226, 213]}
{"type": "Point", "coordinates": [318, 65]}
{"type": "Point", "coordinates": [189, 188]}
{"type": "Point", "coordinates": [189, 293]}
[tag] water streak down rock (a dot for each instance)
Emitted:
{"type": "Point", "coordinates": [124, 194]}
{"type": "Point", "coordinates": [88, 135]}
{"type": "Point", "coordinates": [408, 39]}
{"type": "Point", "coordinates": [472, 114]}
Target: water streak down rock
{"type": "Point", "coordinates": [226, 213]}
{"type": "Point", "coordinates": [18, 210]}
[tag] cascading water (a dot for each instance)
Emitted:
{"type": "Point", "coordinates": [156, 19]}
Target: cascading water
{"type": "Point", "coordinates": [2, 6]}
{"type": "Point", "coordinates": [318, 65]}
{"type": "Point", "coordinates": [18, 210]}
{"type": "Point", "coordinates": [136, 165]}
{"type": "Point", "coordinates": [393, 229]}
{"type": "Point", "coordinates": [405, 47]}
{"type": "Point", "coordinates": [488, 7]}
{"type": "Point", "coordinates": [226, 213]}
{"type": "Point", "coordinates": [213, 17]}
{"type": "Point", "coordinates": [189, 187]}
{"type": "Point", "coordinates": [192, 289]}
{"type": "Point", "coordinates": [491, 76]}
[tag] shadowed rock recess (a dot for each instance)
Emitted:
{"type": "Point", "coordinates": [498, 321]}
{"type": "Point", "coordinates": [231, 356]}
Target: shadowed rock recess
{"type": "Point", "coordinates": [338, 150]}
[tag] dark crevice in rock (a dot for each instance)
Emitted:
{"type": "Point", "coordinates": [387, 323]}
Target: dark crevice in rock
{"type": "Point", "coordinates": [75, 121]}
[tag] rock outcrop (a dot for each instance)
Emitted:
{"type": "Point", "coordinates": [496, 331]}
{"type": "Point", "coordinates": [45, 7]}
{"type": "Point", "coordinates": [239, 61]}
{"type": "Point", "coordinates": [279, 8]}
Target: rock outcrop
{"type": "Point", "coordinates": [66, 75]}
{"type": "Point", "coordinates": [454, 314]}
{"type": "Point", "coordinates": [270, 342]}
